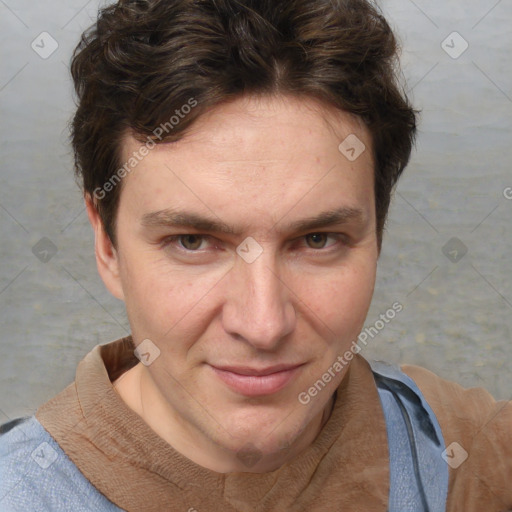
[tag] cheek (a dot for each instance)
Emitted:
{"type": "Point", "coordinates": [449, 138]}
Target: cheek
{"type": "Point", "coordinates": [338, 302]}
{"type": "Point", "coordinates": [165, 301]}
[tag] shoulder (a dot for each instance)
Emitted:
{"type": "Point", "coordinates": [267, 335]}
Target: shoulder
{"type": "Point", "coordinates": [35, 474]}
{"type": "Point", "coordinates": [477, 431]}
{"type": "Point", "coordinates": [462, 410]}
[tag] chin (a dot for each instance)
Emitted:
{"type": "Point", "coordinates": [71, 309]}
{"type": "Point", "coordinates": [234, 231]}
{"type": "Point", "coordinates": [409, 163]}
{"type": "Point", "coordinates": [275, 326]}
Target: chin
{"type": "Point", "coordinates": [270, 432]}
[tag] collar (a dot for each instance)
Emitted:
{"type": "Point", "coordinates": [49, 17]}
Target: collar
{"type": "Point", "coordinates": [137, 470]}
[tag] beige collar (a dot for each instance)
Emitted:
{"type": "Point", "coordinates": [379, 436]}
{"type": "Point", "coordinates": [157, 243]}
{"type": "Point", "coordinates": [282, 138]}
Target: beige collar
{"type": "Point", "coordinates": [138, 471]}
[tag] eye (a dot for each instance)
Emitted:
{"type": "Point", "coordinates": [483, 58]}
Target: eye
{"type": "Point", "coordinates": [317, 240]}
{"type": "Point", "coordinates": [191, 242]}
{"type": "Point", "coordinates": [192, 248]}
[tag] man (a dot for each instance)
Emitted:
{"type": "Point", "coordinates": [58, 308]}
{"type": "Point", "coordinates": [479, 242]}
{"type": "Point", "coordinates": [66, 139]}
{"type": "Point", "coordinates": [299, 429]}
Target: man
{"type": "Point", "coordinates": [237, 160]}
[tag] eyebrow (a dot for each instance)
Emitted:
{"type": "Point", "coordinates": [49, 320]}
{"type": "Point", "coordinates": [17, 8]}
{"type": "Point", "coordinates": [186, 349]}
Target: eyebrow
{"type": "Point", "coordinates": [171, 218]}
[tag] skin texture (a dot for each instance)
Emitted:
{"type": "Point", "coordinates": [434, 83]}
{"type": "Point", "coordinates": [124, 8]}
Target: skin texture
{"type": "Point", "coordinates": [257, 164]}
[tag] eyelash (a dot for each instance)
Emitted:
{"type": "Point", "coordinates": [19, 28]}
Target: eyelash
{"type": "Point", "coordinates": [340, 238]}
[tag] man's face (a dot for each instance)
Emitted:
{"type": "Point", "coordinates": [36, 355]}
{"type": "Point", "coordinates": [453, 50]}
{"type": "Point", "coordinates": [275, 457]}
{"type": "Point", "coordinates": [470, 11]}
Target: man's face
{"type": "Point", "coordinates": [243, 334]}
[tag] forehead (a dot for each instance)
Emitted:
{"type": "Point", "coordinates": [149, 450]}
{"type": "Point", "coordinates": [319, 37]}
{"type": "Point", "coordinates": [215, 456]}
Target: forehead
{"type": "Point", "coordinates": [262, 150]}
{"type": "Point", "coordinates": [235, 126]}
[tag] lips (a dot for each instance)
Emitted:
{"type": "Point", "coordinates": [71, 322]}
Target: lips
{"type": "Point", "coordinates": [256, 381]}
{"type": "Point", "coordinates": [245, 370]}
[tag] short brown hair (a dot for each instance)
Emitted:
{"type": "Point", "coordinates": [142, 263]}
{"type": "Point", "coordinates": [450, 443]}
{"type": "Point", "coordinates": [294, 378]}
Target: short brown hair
{"type": "Point", "coordinates": [144, 59]}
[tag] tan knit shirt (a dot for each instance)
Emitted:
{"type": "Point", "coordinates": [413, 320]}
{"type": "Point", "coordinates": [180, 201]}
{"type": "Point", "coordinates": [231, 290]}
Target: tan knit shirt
{"type": "Point", "coordinates": [346, 467]}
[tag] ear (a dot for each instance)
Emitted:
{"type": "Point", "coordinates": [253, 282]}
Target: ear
{"type": "Point", "coordinates": [107, 258]}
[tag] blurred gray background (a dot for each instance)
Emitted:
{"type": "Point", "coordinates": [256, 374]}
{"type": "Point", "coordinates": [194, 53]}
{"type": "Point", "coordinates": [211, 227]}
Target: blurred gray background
{"type": "Point", "coordinates": [447, 253]}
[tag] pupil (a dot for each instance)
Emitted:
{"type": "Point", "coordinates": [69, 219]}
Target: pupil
{"type": "Point", "coordinates": [192, 241]}
{"type": "Point", "coordinates": [318, 238]}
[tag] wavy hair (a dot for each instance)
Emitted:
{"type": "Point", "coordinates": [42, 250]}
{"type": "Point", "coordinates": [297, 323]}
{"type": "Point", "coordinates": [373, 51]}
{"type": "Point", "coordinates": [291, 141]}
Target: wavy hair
{"type": "Point", "coordinates": [143, 60]}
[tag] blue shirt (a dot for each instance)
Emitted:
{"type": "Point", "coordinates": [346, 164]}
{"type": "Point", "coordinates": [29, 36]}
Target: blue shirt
{"type": "Point", "coordinates": [36, 474]}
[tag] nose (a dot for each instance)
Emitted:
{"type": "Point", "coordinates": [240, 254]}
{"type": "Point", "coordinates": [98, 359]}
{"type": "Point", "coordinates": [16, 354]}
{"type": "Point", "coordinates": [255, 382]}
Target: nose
{"type": "Point", "coordinates": [258, 307]}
